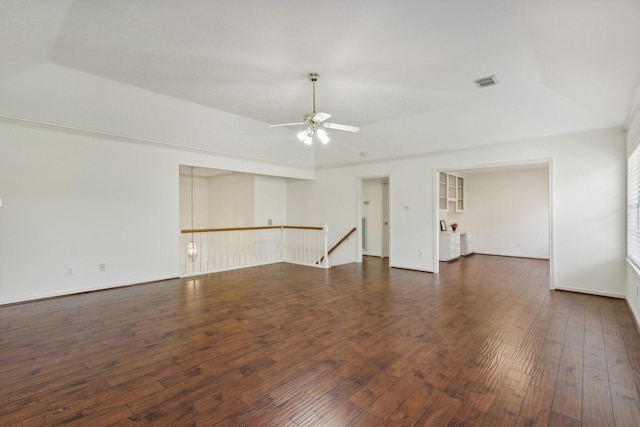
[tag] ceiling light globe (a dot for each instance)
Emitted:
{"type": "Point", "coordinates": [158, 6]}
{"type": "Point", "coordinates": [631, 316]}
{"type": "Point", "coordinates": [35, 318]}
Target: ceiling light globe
{"type": "Point", "coordinates": [324, 138]}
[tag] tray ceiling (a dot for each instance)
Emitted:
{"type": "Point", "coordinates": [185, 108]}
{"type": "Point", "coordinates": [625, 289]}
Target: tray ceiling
{"type": "Point", "coordinates": [403, 71]}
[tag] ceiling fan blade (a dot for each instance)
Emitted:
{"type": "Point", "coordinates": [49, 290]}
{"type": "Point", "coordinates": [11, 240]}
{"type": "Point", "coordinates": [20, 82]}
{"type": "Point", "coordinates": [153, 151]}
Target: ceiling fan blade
{"type": "Point", "coordinates": [287, 124]}
{"type": "Point", "coordinates": [341, 127]}
{"type": "Point", "coordinates": [320, 117]}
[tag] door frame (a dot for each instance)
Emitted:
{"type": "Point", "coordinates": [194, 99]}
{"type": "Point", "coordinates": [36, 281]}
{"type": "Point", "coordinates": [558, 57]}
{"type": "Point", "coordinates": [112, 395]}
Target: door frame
{"type": "Point", "coordinates": [436, 211]}
{"type": "Point", "coordinates": [360, 180]}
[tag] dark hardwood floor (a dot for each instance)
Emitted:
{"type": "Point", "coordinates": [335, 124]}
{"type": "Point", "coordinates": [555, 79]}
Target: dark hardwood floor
{"type": "Point", "coordinates": [483, 343]}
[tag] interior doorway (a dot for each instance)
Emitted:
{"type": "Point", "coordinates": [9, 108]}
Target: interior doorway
{"type": "Point", "coordinates": [506, 210]}
{"type": "Point", "coordinates": [375, 220]}
{"type": "Point", "coordinates": [385, 218]}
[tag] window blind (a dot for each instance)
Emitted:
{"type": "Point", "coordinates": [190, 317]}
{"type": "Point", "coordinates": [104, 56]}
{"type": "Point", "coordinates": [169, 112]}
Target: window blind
{"type": "Point", "coordinates": [633, 207]}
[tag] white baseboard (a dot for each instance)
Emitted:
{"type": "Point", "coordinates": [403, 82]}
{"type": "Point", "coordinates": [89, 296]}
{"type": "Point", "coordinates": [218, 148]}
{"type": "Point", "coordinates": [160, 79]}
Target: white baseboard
{"type": "Point", "coordinates": [103, 287]}
{"type": "Point", "coordinates": [511, 255]}
{"type": "Point", "coordinates": [406, 267]}
{"type": "Point", "coordinates": [590, 292]}
{"type": "Point", "coordinates": [635, 315]}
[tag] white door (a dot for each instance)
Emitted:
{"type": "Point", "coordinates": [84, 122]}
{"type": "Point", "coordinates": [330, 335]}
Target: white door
{"type": "Point", "coordinates": [385, 219]}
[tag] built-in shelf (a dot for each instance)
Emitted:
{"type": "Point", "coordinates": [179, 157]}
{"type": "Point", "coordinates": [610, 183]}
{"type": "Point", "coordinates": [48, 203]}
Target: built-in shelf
{"type": "Point", "coordinates": [450, 192]}
{"type": "Point", "coordinates": [442, 192]}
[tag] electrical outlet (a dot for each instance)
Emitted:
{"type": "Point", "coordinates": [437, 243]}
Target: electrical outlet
{"type": "Point", "coordinates": [102, 267]}
{"type": "Point", "coordinates": [517, 244]}
{"type": "Point", "coordinates": [69, 271]}
{"type": "Point", "coordinates": [420, 254]}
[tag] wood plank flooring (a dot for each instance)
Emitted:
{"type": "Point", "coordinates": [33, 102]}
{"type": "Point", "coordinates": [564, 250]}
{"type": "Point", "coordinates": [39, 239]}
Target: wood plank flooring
{"type": "Point", "coordinates": [484, 343]}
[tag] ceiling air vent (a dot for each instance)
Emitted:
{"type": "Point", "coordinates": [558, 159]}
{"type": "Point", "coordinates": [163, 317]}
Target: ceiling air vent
{"type": "Point", "coordinates": [486, 81]}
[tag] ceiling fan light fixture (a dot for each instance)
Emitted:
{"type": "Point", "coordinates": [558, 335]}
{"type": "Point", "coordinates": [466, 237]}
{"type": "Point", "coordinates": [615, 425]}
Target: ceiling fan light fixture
{"type": "Point", "coordinates": [315, 120]}
{"type": "Point", "coordinates": [324, 138]}
{"type": "Point", "coordinates": [192, 251]}
{"type": "Point", "coordinates": [306, 135]}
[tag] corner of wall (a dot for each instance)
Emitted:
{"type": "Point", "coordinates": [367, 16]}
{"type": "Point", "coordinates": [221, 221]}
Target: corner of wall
{"type": "Point", "coordinates": [632, 123]}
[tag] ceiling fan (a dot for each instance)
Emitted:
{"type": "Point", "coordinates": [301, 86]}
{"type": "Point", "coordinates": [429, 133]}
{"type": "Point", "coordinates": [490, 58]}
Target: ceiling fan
{"type": "Point", "coordinates": [316, 121]}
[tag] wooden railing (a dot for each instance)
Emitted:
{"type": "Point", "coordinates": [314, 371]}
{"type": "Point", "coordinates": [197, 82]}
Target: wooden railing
{"type": "Point", "coordinates": [334, 247]}
{"type": "Point", "coordinates": [215, 230]}
{"type": "Point", "coordinates": [229, 248]}
{"type": "Point", "coordinates": [266, 227]}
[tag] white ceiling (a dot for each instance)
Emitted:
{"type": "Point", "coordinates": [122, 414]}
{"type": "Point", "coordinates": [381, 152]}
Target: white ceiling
{"type": "Point", "coordinates": [401, 70]}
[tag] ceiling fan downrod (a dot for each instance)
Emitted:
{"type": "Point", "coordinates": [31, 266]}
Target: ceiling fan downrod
{"type": "Point", "coordinates": [314, 78]}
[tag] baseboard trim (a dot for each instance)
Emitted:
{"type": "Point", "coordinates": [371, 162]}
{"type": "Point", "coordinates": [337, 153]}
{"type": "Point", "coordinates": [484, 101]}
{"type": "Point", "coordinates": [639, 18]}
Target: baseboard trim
{"type": "Point", "coordinates": [590, 292]}
{"type": "Point", "coordinates": [634, 314]}
{"type": "Point", "coordinates": [54, 295]}
{"type": "Point", "coordinates": [406, 267]}
{"type": "Point", "coordinates": [511, 256]}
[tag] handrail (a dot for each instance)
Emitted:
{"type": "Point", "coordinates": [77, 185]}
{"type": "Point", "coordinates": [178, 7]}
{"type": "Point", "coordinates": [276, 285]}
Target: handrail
{"type": "Point", "coordinates": [334, 247]}
{"type": "Point", "coordinates": [303, 227]}
{"type": "Point", "coordinates": [265, 227]}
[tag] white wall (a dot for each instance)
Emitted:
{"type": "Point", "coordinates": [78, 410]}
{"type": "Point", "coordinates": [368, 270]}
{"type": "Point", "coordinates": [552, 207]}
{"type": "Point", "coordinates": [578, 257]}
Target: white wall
{"type": "Point", "coordinates": [200, 202]}
{"type": "Point", "coordinates": [73, 202]}
{"type": "Point", "coordinates": [76, 199]}
{"type": "Point", "coordinates": [231, 200]}
{"type": "Point", "coordinates": [270, 201]}
{"type": "Point", "coordinates": [509, 212]}
{"type": "Point", "coordinates": [333, 200]}
{"type": "Point", "coordinates": [588, 193]}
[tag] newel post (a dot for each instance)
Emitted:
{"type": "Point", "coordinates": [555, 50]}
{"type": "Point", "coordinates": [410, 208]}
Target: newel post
{"type": "Point", "coordinates": [283, 243]}
{"type": "Point", "coordinates": [326, 246]}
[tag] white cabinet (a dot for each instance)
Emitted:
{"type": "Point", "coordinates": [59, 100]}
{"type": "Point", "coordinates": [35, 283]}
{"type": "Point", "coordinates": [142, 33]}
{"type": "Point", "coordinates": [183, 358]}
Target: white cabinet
{"type": "Point", "coordinates": [459, 194]}
{"type": "Point", "coordinates": [466, 243]}
{"type": "Point", "coordinates": [449, 246]}
{"type": "Point", "coordinates": [453, 245]}
{"type": "Point", "coordinates": [443, 201]}
{"type": "Point", "coordinates": [450, 192]}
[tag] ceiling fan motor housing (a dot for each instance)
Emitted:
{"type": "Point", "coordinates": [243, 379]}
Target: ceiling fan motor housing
{"type": "Point", "coordinates": [314, 119]}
